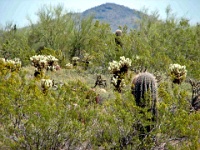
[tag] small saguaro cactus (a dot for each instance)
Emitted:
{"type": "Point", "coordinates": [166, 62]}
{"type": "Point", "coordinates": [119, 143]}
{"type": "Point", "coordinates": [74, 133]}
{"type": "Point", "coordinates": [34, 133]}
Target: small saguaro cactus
{"type": "Point", "coordinates": [118, 32]}
{"type": "Point", "coordinates": [144, 89]}
{"type": "Point", "coordinates": [118, 41]}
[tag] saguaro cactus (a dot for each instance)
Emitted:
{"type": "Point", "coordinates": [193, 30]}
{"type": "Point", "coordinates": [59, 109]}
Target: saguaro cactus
{"type": "Point", "coordinates": [145, 92]}
{"type": "Point", "coordinates": [118, 36]}
{"type": "Point", "coordinates": [118, 32]}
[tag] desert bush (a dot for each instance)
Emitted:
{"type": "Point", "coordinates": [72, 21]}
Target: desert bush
{"type": "Point", "coordinates": [36, 121]}
{"type": "Point", "coordinates": [69, 117]}
{"type": "Point", "coordinates": [16, 47]}
{"type": "Point", "coordinates": [175, 120]}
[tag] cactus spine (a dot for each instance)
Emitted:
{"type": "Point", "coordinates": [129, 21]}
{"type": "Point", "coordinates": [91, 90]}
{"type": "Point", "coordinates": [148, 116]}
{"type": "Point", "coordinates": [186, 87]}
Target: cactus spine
{"type": "Point", "coordinates": [145, 91]}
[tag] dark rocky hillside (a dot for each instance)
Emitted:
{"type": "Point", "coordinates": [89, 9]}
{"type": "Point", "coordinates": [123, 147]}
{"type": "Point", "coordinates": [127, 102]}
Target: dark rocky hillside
{"type": "Point", "coordinates": [114, 14]}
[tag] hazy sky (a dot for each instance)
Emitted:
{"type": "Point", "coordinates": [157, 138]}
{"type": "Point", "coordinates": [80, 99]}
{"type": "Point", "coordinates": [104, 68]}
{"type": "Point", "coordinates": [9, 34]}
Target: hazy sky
{"type": "Point", "coordinates": [16, 11]}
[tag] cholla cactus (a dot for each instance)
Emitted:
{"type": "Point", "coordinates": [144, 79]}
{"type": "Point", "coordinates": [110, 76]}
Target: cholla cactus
{"type": "Point", "coordinates": [114, 67]}
{"type": "Point", "coordinates": [43, 62]}
{"type": "Point", "coordinates": [12, 65]}
{"type": "Point", "coordinates": [117, 82]}
{"type": "Point", "coordinates": [69, 66]}
{"type": "Point", "coordinates": [2, 60]}
{"type": "Point", "coordinates": [39, 61]}
{"type": "Point", "coordinates": [121, 66]}
{"type": "Point", "coordinates": [51, 62]}
{"type": "Point", "coordinates": [178, 73]}
{"type": "Point", "coordinates": [46, 84]}
{"type": "Point", "coordinates": [2, 63]}
{"type": "Point", "coordinates": [114, 80]}
{"type": "Point", "coordinates": [75, 61]}
{"type": "Point", "coordinates": [124, 64]}
{"type": "Point", "coordinates": [86, 59]}
{"type": "Point", "coordinates": [51, 59]}
{"type": "Point", "coordinates": [119, 69]}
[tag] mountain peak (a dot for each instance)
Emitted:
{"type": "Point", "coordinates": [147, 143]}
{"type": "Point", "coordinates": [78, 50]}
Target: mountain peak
{"type": "Point", "coordinates": [114, 14]}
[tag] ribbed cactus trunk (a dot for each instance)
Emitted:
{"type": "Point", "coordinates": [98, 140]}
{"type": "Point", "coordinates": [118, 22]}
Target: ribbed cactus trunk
{"type": "Point", "coordinates": [145, 92]}
{"type": "Point", "coordinates": [118, 41]}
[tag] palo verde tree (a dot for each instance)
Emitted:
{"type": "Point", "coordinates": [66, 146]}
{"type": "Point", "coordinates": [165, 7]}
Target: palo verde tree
{"type": "Point", "coordinates": [14, 44]}
{"type": "Point", "coordinates": [52, 30]}
{"type": "Point", "coordinates": [81, 35]}
{"type": "Point", "coordinates": [101, 45]}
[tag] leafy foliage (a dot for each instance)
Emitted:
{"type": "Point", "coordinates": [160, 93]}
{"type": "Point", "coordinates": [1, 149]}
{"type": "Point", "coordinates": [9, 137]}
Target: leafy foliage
{"type": "Point", "coordinates": [72, 114]}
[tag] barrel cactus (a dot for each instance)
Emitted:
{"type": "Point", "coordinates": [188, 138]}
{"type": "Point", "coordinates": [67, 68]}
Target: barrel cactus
{"type": "Point", "coordinates": [145, 93]}
{"type": "Point", "coordinates": [144, 90]}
